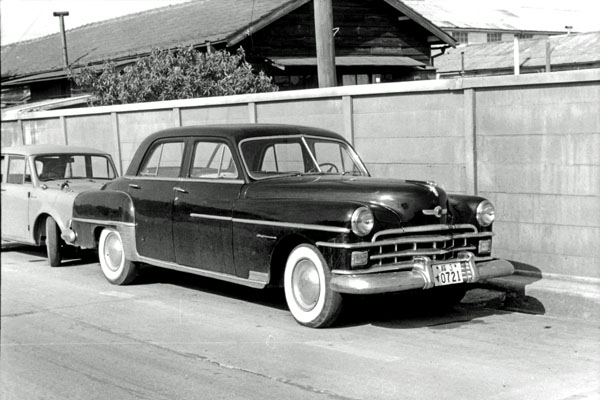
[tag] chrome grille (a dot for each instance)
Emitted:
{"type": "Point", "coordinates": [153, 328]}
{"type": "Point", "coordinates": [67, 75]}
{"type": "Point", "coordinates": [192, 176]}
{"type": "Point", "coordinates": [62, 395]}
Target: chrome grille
{"type": "Point", "coordinates": [438, 242]}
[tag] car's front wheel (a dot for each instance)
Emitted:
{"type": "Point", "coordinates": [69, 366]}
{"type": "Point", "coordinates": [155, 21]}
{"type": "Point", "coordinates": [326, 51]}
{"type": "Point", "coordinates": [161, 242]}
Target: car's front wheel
{"type": "Point", "coordinates": [307, 292]}
{"type": "Point", "coordinates": [53, 242]}
{"type": "Point", "coordinates": [117, 269]}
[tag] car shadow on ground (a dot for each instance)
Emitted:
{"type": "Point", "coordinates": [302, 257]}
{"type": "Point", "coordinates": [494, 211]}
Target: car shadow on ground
{"type": "Point", "coordinates": [397, 311]}
{"type": "Point", "coordinates": [271, 297]}
{"type": "Point", "coordinates": [72, 257]}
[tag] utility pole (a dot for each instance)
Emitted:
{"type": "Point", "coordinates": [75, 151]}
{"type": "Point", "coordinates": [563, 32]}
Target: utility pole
{"type": "Point", "coordinates": [325, 45]}
{"type": "Point", "coordinates": [62, 15]}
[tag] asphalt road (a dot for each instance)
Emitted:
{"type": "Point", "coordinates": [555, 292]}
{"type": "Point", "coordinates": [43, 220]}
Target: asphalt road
{"type": "Point", "coordinates": [67, 333]}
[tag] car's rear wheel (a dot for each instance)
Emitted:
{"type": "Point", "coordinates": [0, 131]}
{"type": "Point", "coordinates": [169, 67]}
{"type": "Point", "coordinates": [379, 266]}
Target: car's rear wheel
{"type": "Point", "coordinates": [307, 292]}
{"type": "Point", "coordinates": [117, 269]}
{"type": "Point", "coordinates": [53, 242]}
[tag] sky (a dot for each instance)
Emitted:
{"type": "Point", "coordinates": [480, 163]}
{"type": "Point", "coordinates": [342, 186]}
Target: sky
{"type": "Point", "coordinates": [28, 19]}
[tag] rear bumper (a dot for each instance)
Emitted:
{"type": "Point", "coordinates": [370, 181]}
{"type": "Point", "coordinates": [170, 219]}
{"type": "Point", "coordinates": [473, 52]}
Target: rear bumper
{"type": "Point", "coordinates": [419, 277]}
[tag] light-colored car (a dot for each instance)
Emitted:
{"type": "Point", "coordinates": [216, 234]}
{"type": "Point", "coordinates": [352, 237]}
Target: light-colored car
{"type": "Point", "coordinates": [39, 184]}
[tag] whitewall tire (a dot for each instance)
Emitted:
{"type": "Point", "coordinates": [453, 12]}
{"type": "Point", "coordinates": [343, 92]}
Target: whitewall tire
{"type": "Point", "coordinates": [117, 269]}
{"type": "Point", "coordinates": [306, 283]}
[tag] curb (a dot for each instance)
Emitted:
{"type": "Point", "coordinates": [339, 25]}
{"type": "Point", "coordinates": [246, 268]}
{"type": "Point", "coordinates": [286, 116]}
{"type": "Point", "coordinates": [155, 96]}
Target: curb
{"type": "Point", "coordinates": [553, 296]}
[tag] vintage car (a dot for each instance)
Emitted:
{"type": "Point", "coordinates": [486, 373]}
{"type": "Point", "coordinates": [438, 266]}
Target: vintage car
{"type": "Point", "coordinates": [289, 206]}
{"type": "Point", "coordinates": [39, 184]}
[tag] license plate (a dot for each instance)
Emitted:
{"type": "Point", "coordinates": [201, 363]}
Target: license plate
{"type": "Point", "coordinates": [447, 274]}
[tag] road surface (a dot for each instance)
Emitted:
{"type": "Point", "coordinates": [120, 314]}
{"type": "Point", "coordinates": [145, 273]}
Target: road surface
{"type": "Point", "coordinates": [67, 333]}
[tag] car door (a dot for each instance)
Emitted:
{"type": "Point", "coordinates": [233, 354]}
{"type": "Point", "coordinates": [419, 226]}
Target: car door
{"type": "Point", "coordinates": [151, 191]}
{"type": "Point", "coordinates": [203, 208]}
{"type": "Point", "coordinates": [15, 199]}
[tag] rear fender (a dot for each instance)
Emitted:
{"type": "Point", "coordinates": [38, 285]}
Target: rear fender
{"type": "Point", "coordinates": [97, 209]}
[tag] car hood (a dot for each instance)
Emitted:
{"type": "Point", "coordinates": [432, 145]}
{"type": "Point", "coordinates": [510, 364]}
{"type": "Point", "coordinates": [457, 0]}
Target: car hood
{"type": "Point", "coordinates": [74, 185]}
{"type": "Point", "coordinates": [407, 199]}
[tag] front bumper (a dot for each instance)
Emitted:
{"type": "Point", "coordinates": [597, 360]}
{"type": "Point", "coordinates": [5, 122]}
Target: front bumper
{"type": "Point", "coordinates": [420, 276]}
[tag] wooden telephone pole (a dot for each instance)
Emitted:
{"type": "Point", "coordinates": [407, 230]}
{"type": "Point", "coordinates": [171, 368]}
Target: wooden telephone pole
{"type": "Point", "coordinates": [325, 45]}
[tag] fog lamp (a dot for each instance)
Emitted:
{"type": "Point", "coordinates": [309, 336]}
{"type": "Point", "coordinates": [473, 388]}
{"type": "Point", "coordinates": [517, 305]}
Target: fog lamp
{"type": "Point", "coordinates": [359, 258]}
{"type": "Point", "coordinates": [485, 246]}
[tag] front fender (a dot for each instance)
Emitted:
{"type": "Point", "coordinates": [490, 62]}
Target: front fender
{"type": "Point", "coordinates": [463, 209]}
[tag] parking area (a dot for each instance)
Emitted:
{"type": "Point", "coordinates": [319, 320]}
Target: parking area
{"type": "Point", "coordinates": [67, 333]}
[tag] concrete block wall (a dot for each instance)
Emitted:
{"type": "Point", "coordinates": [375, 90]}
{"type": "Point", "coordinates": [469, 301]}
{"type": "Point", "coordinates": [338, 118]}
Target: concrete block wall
{"type": "Point", "coordinates": [529, 143]}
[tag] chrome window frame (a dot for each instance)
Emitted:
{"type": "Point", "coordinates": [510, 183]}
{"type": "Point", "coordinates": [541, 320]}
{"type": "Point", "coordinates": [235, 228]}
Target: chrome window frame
{"type": "Point", "coordinates": [355, 158]}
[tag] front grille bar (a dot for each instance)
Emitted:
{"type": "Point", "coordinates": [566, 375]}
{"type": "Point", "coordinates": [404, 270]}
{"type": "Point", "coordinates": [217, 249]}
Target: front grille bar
{"type": "Point", "coordinates": [422, 252]}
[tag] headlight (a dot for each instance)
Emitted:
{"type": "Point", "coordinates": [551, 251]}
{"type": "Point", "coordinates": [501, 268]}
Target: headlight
{"type": "Point", "coordinates": [485, 213]}
{"type": "Point", "coordinates": [362, 221]}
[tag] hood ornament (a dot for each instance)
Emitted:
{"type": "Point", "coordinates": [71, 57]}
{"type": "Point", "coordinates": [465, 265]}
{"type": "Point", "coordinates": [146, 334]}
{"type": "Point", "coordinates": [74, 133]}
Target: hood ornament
{"type": "Point", "coordinates": [436, 212]}
{"type": "Point", "coordinates": [432, 187]}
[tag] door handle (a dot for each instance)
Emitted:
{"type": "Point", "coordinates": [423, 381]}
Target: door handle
{"type": "Point", "coordinates": [134, 186]}
{"type": "Point", "coordinates": [179, 190]}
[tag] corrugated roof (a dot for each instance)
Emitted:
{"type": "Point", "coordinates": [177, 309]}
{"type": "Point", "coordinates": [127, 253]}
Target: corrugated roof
{"type": "Point", "coordinates": [513, 15]}
{"type": "Point", "coordinates": [192, 23]}
{"type": "Point", "coordinates": [345, 61]}
{"type": "Point", "coordinates": [580, 48]}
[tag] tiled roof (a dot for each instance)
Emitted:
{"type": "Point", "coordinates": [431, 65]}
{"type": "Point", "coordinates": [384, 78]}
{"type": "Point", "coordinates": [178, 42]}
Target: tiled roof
{"type": "Point", "coordinates": [511, 15]}
{"type": "Point", "coordinates": [191, 23]}
{"type": "Point", "coordinates": [573, 49]}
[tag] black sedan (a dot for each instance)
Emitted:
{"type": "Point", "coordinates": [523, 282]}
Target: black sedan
{"type": "Point", "coordinates": [288, 206]}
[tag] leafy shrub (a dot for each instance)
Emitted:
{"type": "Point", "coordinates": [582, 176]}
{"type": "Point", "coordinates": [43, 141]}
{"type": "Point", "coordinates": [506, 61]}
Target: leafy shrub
{"type": "Point", "coordinates": [181, 73]}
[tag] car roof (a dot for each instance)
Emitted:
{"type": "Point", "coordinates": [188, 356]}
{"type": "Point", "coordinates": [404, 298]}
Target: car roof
{"type": "Point", "coordinates": [239, 132]}
{"type": "Point", "coordinates": [37, 149]}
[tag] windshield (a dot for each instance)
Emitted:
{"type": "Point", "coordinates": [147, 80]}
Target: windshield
{"type": "Point", "coordinates": [73, 166]}
{"type": "Point", "coordinates": [294, 155]}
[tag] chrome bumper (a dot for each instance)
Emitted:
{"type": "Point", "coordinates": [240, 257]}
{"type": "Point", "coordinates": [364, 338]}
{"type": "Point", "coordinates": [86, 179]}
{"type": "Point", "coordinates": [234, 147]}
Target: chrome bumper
{"type": "Point", "coordinates": [419, 277]}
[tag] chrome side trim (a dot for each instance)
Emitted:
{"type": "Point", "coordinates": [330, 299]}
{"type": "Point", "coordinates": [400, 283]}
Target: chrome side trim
{"type": "Point", "coordinates": [314, 227]}
{"type": "Point", "coordinates": [183, 179]}
{"type": "Point", "coordinates": [208, 216]}
{"type": "Point", "coordinates": [259, 282]}
{"type": "Point", "coordinates": [323, 228]}
{"type": "Point", "coordinates": [105, 222]}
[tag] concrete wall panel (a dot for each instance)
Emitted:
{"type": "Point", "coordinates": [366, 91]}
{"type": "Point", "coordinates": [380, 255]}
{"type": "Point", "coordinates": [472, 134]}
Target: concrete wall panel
{"type": "Point", "coordinates": [43, 131]}
{"type": "Point", "coordinates": [236, 114]}
{"type": "Point", "coordinates": [322, 113]}
{"type": "Point", "coordinates": [409, 115]}
{"type": "Point", "coordinates": [93, 131]}
{"type": "Point", "coordinates": [10, 135]}
{"type": "Point", "coordinates": [136, 126]}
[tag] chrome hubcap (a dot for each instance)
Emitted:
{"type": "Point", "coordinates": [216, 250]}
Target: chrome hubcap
{"type": "Point", "coordinates": [306, 285]}
{"type": "Point", "coordinates": [113, 252]}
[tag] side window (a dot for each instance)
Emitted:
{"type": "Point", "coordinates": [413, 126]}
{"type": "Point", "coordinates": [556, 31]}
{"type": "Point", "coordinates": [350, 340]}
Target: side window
{"type": "Point", "coordinates": [16, 169]}
{"type": "Point", "coordinates": [75, 167]}
{"type": "Point", "coordinates": [213, 160]}
{"type": "Point", "coordinates": [283, 157]}
{"type": "Point", "coordinates": [163, 160]}
{"type": "Point", "coordinates": [101, 168]}
{"type": "Point", "coordinates": [330, 154]}
{"type": "Point", "coordinates": [4, 166]}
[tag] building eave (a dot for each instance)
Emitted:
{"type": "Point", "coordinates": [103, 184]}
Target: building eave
{"type": "Point", "coordinates": [424, 22]}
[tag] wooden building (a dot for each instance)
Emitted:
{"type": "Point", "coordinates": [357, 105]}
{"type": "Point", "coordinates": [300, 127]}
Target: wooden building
{"type": "Point", "coordinates": [375, 41]}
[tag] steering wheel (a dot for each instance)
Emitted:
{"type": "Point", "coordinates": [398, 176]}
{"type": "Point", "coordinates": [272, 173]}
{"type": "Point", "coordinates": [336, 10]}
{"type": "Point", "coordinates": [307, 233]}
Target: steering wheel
{"type": "Point", "coordinates": [331, 168]}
